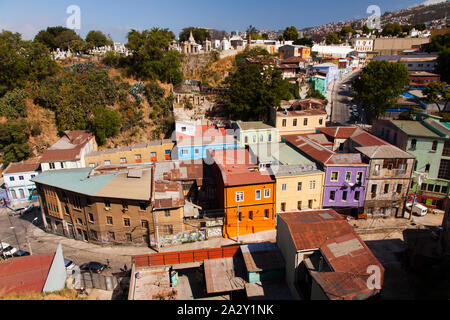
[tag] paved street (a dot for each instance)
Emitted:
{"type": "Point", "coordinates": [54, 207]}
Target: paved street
{"type": "Point", "coordinates": [338, 97]}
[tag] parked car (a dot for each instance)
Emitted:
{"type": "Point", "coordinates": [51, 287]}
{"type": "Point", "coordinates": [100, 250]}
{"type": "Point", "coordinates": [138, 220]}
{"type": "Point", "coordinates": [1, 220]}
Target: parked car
{"type": "Point", "coordinates": [21, 211]}
{"type": "Point", "coordinates": [95, 267]}
{"type": "Point", "coordinates": [21, 253]}
{"type": "Point", "coordinates": [7, 249]}
{"type": "Point", "coordinates": [69, 265]}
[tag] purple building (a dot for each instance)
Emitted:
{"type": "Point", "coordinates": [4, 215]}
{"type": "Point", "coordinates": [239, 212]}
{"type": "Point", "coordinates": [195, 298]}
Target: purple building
{"type": "Point", "coordinates": [345, 174]}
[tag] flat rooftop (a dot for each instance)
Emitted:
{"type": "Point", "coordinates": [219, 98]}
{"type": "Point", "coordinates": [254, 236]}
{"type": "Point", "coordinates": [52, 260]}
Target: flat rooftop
{"type": "Point", "coordinates": [224, 275]}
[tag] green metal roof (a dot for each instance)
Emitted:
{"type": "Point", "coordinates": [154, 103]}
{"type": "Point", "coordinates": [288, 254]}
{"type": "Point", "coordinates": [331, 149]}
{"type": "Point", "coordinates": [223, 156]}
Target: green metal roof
{"type": "Point", "coordinates": [414, 128]}
{"type": "Point", "coordinates": [75, 180]}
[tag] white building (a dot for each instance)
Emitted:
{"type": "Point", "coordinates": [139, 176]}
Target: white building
{"type": "Point", "coordinates": [363, 44]}
{"type": "Point", "coordinates": [17, 178]}
{"type": "Point", "coordinates": [69, 151]}
{"type": "Point", "coordinates": [332, 51]}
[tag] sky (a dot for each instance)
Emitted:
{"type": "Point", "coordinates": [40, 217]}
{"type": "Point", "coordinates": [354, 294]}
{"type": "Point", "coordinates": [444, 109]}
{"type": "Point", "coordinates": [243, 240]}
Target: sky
{"type": "Point", "coordinates": [118, 17]}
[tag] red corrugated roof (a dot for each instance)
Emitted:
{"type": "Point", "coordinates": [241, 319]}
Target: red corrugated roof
{"type": "Point", "coordinates": [293, 60]}
{"type": "Point", "coordinates": [239, 168]}
{"type": "Point", "coordinates": [324, 230]}
{"type": "Point", "coordinates": [26, 274]}
{"type": "Point", "coordinates": [24, 166]}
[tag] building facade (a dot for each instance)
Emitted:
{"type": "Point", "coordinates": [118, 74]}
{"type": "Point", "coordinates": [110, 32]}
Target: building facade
{"type": "Point", "coordinates": [155, 151]}
{"type": "Point", "coordinates": [93, 206]}
{"type": "Point", "coordinates": [17, 179]}
{"type": "Point", "coordinates": [69, 152]}
{"type": "Point", "coordinates": [248, 133]}
{"type": "Point", "coordinates": [246, 195]}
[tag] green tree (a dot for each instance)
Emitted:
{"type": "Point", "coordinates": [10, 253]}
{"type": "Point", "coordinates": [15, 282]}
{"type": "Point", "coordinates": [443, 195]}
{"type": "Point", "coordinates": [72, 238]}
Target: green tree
{"type": "Point", "coordinates": [255, 88]}
{"type": "Point", "coordinates": [439, 43]}
{"type": "Point", "coordinates": [13, 104]}
{"type": "Point", "coordinates": [252, 33]}
{"type": "Point", "coordinates": [14, 142]}
{"type": "Point", "coordinates": [420, 27]}
{"type": "Point", "coordinates": [443, 64]}
{"type": "Point", "coordinates": [105, 124]}
{"type": "Point", "coordinates": [366, 30]}
{"type": "Point", "coordinates": [332, 38]}
{"type": "Point", "coordinates": [437, 93]}
{"type": "Point", "coordinates": [379, 86]}
{"type": "Point", "coordinates": [304, 42]}
{"type": "Point", "coordinates": [111, 59]}
{"type": "Point", "coordinates": [312, 93]}
{"type": "Point", "coordinates": [199, 34]}
{"type": "Point", "coordinates": [96, 39]}
{"type": "Point", "coordinates": [346, 31]}
{"type": "Point", "coordinates": [290, 34]}
{"type": "Point", "coordinates": [57, 37]}
{"type": "Point", "coordinates": [406, 28]}
{"type": "Point", "coordinates": [392, 29]}
{"type": "Point", "coordinates": [152, 59]}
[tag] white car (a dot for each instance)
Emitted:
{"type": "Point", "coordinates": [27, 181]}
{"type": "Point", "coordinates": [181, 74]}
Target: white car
{"type": "Point", "coordinates": [7, 250]}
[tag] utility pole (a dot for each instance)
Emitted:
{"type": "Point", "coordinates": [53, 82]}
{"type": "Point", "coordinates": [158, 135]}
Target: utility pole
{"type": "Point", "coordinates": [238, 214]}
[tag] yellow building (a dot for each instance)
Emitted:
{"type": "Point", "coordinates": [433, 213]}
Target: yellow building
{"type": "Point", "coordinates": [298, 188]}
{"type": "Point", "coordinates": [299, 183]}
{"type": "Point", "coordinates": [290, 122]}
{"type": "Point", "coordinates": [154, 151]}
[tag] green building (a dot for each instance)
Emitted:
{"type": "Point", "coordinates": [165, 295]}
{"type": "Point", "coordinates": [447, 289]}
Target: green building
{"type": "Point", "coordinates": [318, 82]}
{"type": "Point", "coordinates": [427, 139]}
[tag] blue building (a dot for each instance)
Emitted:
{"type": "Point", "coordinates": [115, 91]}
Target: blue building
{"type": "Point", "coordinates": [331, 70]}
{"type": "Point", "coordinates": [195, 148]}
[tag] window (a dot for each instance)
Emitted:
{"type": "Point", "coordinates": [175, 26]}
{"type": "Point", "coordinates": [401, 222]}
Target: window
{"type": "Point", "coordinates": [270, 137]}
{"type": "Point", "coordinates": [76, 202]}
{"type": "Point", "coordinates": [91, 218]}
{"type": "Point", "coordinates": [374, 190]}
{"type": "Point", "coordinates": [386, 188]}
{"type": "Point", "coordinates": [310, 204]}
{"type": "Point", "coordinates": [348, 176]}
{"type": "Point", "coordinates": [294, 123]}
{"type": "Point", "coordinates": [258, 195]}
{"type": "Point", "coordinates": [183, 129]}
{"type": "Point", "coordinates": [246, 139]}
{"type": "Point", "coordinates": [299, 205]}
{"type": "Point", "coordinates": [184, 152]}
{"type": "Point", "coordinates": [283, 207]}
{"type": "Point", "coordinates": [334, 176]}
{"type": "Point", "coordinates": [390, 166]}
{"type": "Point", "coordinates": [112, 236]}
{"type": "Point", "coordinates": [107, 204]}
{"type": "Point", "coordinates": [261, 138]}
{"type": "Point", "coordinates": [142, 206]}
{"type": "Point", "coordinates": [413, 144]}
{"type": "Point", "coordinates": [332, 195]}
{"type": "Point", "coordinates": [240, 216]}
{"type": "Point", "coordinates": [129, 237]}
{"type": "Point", "coordinates": [424, 187]}
{"type": "Point", "coordinates": [109, 221]}
{"type": "Point", "coordinates": [144, 224]}
{"type": "Point", "coordinates": [126, 222]}
{"type": "Point", "coordinates": [52, 166]}
{"type": "Point", "coordinates": [284, 123]}
{"type": "Point", "coordinates": [62, 165]}
{"type": "Point", "coordinates": [444, 190]}
{"type": "Point", "coordinates": [66, 210]}
{"type": "Point", "coordinates": [359, 178]}
{"type": "Point", "coordinates": [197, 151]}
{"type": "Point", "coordinates": [107, 162]}
{"type": "Point", "coordinates": [284, 187]}
{"type": "Point", "coordinates": [240, 196]}
{"type": "Point", "coordinates": [357, 195]}
{"type": "Point", "coordinates": [312, 185]}
{"type": "Point", "coordinates": [266, 213]}
{"type": "Point", "coordinates": [123, 160]}
{"type": "Point", "coordinates": [267, 193]}
{"type": "Point", "coordinates": [321, 121]}
{"type": "Point", "coordinates": [92, 165]}
{"type": "Point", "coordinates": [344, 196]}
{"type": "Point", "coordinates": [167, 213]}
{"type": "Point", "coordinates": [305, 122]}
{"type": "Point", "coordinates": [13, 194]}
{"type": "Point", "coordinates": [399, 188]}
{"type": "Point", "coordinates": [444, 170]}
{"type": "Point", "coordinates": [11, 179]}
{"type": "Point", "coordinates": [299, 186]}
{"type": "Point", "coordinates": [124, 205]}
{"type": "Point", "coordinates": [21, 178]}
{"type": "Point", "coordinates": [435, 146]}
{"type": "Point", "coordinates": [437, 188]}
{"type": "Point", "coordinates": [250, 215]}
{"type": "Point", "coordinates": [430, 187]}
{"type": "Point", "coordinates": [427, 168]}
{"type": "Point", "coordinates": [79, 221]}
{"type": "Point", "coordinates": [254, 138]}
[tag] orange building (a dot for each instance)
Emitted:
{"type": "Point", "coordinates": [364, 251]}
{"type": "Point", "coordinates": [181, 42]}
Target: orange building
{"type": "Point", "coordinates": [246, 194]}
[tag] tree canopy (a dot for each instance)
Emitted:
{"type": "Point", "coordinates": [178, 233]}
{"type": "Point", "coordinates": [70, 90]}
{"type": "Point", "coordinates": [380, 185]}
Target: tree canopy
{"type": "Point", "coordinates": [199, 34]}
{"type": "Point", "coordinates": [437, 93]}
{"type": "Point", "coordinates": [57, 37]}
{"type": "Point", "coordinates": [14, 141]}
{"type": "Point", "coordinates": [392, 29]}
{"type": "Point", "coordinates": [290, 34]}
{"type": "Point", "coordinates": [379, 86]}
{"type": "Point", "coordinates": [304, 42]}
{"type": "Point", "coordinates": [255, 88]}
{"type": "Point", "coordinates": [332, 38]}
{"type": "Point", "coordinates": [152, 59]}
{"type": "Point", "coordinates": [95, 39]}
